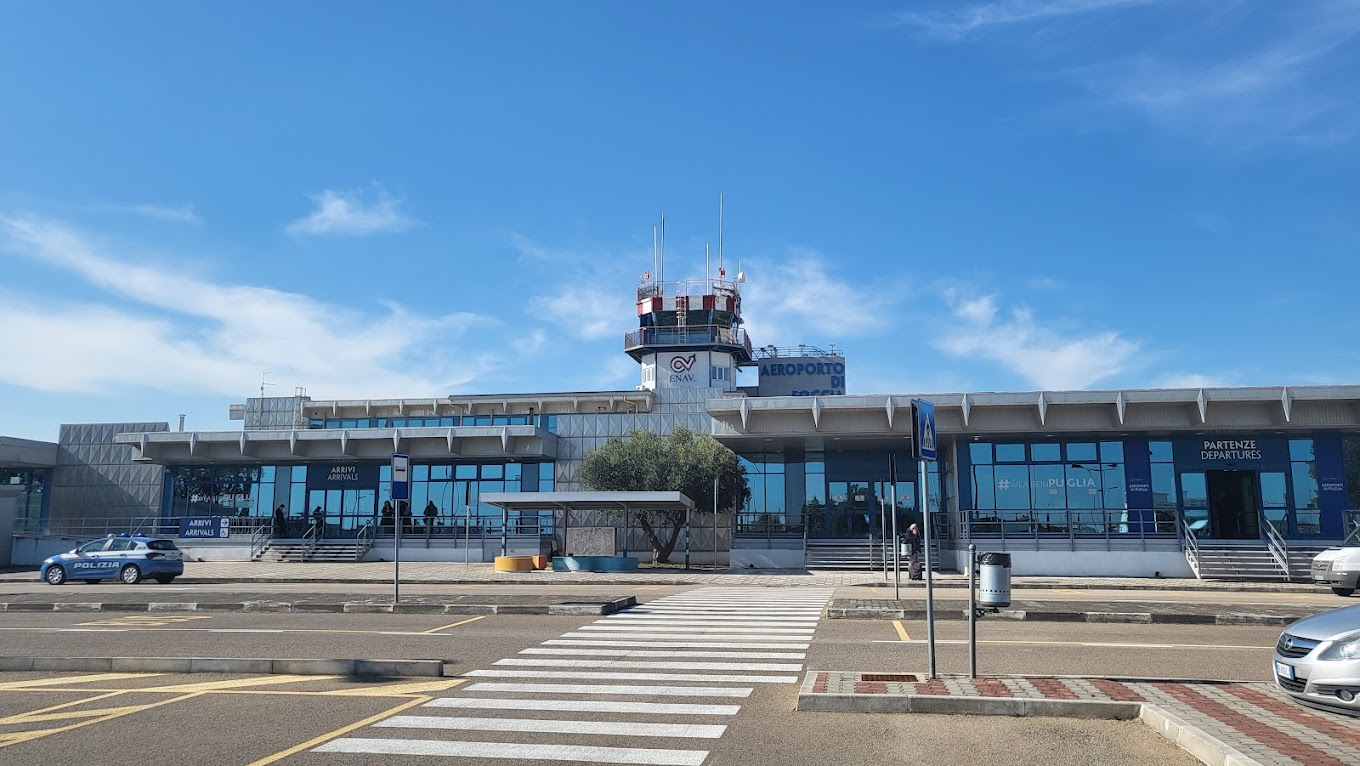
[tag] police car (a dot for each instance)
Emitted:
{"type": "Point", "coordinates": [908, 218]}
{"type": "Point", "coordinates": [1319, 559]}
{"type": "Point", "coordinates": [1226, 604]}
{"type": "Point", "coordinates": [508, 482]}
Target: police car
{"type": "Point", "coordinates": [129, 558]}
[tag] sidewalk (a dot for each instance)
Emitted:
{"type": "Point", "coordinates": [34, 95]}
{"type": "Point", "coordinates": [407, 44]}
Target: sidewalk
{"type": "Point", "coordinates": [445, 573]}
{"type": "Point", "coordinates": [1219, 722]}
{"type": "Point", "coordinates": [952, 605]}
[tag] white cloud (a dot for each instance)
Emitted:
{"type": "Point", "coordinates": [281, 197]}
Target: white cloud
{"type": "Point", "coordinates": [963, 21]}
{"type": "Point", "coordinates": [354, 213]}
{"type": "Point", "coordinates": [796, 299]}
{"type": "Point", "coordinates": [180, 213]}
{"type": "Point", "coordinates": [589, 313]}
{"type": "Point", "coordinates": [1042, 356]}
{"type": "Point", "coordinates": [187, 334]}
{"type": "Point", "coordinates": [1190, 380]}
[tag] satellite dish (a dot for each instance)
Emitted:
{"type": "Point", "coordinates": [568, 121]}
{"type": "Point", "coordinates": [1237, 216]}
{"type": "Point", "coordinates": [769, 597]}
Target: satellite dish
{"type": "Point", "coordinates": [741, 277]}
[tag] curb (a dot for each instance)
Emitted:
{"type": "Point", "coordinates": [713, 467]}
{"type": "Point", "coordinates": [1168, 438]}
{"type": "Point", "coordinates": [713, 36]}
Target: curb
{"type": "Point", "coordinates": [393, 668]}
{"type": "Point", "coordinates": [1190, 739]}
{"type": "Point", "coordinates": [1140, 618]}
{"type": "Point", "coordinates": [358, 607]}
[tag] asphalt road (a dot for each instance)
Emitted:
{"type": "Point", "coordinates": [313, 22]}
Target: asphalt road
{"type": "Point", "coordinates": [268, 716]}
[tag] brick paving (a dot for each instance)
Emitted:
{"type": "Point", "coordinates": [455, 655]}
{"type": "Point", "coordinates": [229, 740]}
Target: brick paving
{"type": "Point", "coordinates": [1255, 719]}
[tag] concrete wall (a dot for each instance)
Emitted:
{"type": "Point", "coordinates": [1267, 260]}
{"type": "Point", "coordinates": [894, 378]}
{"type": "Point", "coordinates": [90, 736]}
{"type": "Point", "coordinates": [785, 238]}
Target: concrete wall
{"type": "Point", "coordinates": [762, 558]}
{"type": "Point", "coordinates": [1099, 563]}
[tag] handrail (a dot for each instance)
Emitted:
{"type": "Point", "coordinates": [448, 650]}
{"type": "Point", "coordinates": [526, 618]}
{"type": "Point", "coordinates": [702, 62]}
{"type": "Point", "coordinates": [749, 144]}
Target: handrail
{"type": "Point", "coordinates": [1279, 549]}
{"type": "Point", "coordinates": [1191, 547]}
{"type": "Point", "coordinates": [309, 541]}
{"type": "Point", "coordinates": [260, 540]}
{"type": "Point", "coordinates": [363, 541]}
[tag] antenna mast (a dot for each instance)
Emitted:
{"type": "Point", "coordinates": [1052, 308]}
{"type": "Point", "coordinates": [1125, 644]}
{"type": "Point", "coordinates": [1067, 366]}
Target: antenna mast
{"type": "Point", "coordinates": [654, 274]}
{"type": "Point", "coordinates": [662, 267]}
{"type": "Point", "coordinates": [720, 230]}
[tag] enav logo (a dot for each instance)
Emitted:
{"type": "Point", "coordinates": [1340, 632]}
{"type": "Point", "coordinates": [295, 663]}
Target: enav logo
{"type": "Point", "coordinates": [682, 363]}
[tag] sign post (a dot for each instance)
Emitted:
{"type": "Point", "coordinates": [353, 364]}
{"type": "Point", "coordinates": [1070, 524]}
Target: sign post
{"type": "Point", "coordinates": [401, 492]}
{"type": "Point", "coordinates": [923, 447]}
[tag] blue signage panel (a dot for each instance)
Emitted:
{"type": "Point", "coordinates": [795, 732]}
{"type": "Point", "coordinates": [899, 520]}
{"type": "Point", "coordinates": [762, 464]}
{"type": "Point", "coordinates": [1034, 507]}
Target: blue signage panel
{"type": "Point", "coordinates": [205, 527]}
{"type": "Point", "coordinates": [342, 476]}
{"type": "Point", "coordinates": [923, 441]}
{"type": "Point", "coordinates": [401, 477]}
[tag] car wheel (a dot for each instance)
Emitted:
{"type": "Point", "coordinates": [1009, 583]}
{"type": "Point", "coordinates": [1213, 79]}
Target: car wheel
{"type": "Point", "coordinates": [55, 575]}
{"type": "Point", "coordinates": [130, 574]}
{"type": "Point", "coordinates": [165, 579]}
{"type": "Point", "coordinates": [1343, 591]}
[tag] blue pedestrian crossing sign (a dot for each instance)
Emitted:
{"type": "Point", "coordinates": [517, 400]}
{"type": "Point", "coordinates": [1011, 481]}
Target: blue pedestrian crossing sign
{"type": "Point", "coordinates": [923, 441]}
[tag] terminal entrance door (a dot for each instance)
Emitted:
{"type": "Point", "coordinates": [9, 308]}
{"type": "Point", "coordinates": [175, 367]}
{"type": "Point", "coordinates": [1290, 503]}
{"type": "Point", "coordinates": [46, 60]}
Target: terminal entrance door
{"type": "Point", "coordinates": [854, 510]}
{"type": "Point", "coordinates": [1234, 508]}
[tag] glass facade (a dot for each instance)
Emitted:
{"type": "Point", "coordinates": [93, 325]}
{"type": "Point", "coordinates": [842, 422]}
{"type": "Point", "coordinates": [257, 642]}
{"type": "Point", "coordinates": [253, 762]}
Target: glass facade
{"type": "Point", "coordinates": [30, 508]}
{"type": "Point", "coordinates": [546, 422]}
{"type": "Point", "coordinates": [444, 497]}
{"type": "Point", "coordinates": [1224, 487]}
{"type": "Point", "coordinates": [832, 495]}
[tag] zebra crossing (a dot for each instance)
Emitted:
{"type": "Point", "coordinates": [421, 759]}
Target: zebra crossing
{"type": "Point", "coordinates": [666, 674]}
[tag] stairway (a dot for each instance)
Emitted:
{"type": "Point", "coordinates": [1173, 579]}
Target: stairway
{"type": "Point", "coordinates": [1252, 561]}
{"type": "Point", "coordinates": [280, 551]}
{"type": "Point", "coordinates": [855, 555]}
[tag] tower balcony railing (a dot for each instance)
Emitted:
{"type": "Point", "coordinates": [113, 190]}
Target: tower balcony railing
{"type": "Point", "coordinates": [651, 288]}
{"type": "Point", "coordinates": [689, 335]}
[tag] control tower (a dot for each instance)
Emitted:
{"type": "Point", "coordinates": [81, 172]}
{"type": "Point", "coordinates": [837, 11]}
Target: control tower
{"type": "Point", "coordinates": [689, 333]}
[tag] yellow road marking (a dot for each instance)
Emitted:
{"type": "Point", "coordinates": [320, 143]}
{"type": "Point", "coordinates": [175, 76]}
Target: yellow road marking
{"type": "Point", "coordinates": [27, 736]}
{"type": "Point", "coordinates": [21, 717]}
{"type": "Point", "coordinates": [456, 624]}
{"type": "Point", "coordinates": [236, 683]}
{"type": "Point", "coordinates": [67, 714]}
{"type": "Point", "coordinates": [75, 680]}
{"type": "Point", "coordinates": [396, 690]}
{"type": "Point", "coordinates": [328, 736]}
{"type": "Point", "coordinates": [901, 630]}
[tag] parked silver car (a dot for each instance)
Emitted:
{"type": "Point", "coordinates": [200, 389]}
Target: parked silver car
{"type": "Point", "coordinates": [1317, 660]}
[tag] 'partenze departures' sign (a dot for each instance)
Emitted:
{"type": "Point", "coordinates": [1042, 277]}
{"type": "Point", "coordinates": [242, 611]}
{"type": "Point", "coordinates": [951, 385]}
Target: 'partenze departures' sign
{"type": "Point", "coordinates": [802, 376]}
{"type": "Point", "coordinates": [1230, 449]}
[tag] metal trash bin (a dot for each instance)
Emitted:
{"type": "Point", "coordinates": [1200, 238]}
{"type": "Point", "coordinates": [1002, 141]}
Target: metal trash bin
{"type": "Point", "coordinates": [994, 582]}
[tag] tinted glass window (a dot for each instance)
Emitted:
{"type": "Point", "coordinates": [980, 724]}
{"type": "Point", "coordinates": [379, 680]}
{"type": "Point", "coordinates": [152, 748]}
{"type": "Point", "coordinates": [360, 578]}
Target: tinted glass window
{"type": "Point", "coordinates": [1010, 453]}
{"type": "Point", "coordinates": [1045, 453]}
{"type": "Point", "coordinates": [1112, 452]}
{"type": "Point", "coordinates": [161, 545]}
{"type": "Point", "coordinates": [1300, 449]}
{"type": "Point", "coordinates": [121, 545]}
{"type": "Point", "coordinates": [980, 453]}
{"type": "Point", "coordinates": [1081, 451]}
{"type": "Point", "coordinates": [92, 547]}
{"type": "Point", "coordinates": [1160, 451]}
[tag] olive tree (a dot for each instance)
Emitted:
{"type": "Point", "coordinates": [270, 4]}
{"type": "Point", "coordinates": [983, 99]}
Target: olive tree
{"type": "Point", "coordinates": [683, 461]}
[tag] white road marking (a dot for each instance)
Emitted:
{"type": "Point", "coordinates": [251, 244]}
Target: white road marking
{"type": "Point", "coordinates": [667, 653]}
{"type": "Point", "coordinates": [643, 665]}
{"type": "Point", "coordinates": [549, 726]}
{"type": "Point", "coordinates": [696, 619]}
{"type": "Point", "coordinates": [584, 706]}
{"type": "Point", "coordinates": [697, 629]}
{"type": "Point", "coordinates": [641, 691]}
{"type": "Point", "coordinates": [582, 675]}
{"type": "Point", "coordinates": [660, 642]}
{"type": "Point", "coordinates": [91, 630]}
{"type": "Point", "coordinates": [516, 750]}
{"type": "Point", "coordinates": [698, 637]}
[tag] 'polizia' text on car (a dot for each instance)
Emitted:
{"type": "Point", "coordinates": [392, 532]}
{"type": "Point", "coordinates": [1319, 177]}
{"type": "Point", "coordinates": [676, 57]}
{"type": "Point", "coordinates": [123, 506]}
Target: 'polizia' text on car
{"type": "Point", "coordinates": [130, 558]}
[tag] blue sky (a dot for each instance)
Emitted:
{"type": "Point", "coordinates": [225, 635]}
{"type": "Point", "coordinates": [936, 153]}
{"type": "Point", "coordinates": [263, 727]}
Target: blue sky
{"type": "Point", "coordinates": [419, 199]}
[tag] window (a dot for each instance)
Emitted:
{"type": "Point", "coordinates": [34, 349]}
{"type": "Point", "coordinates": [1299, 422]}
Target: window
{"type": "Point", "coordinates": [94, 546]}
{"type": "Point", "coordinates": [1010, 453]}
{"type": "Point", "coordinates": [980, 453]}
{"type": "Point", "coordinates": [1045, 453]}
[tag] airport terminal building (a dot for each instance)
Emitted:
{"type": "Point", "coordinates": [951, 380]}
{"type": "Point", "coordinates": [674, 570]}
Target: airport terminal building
{"type": "Point", "coordinates": [1216, 482]}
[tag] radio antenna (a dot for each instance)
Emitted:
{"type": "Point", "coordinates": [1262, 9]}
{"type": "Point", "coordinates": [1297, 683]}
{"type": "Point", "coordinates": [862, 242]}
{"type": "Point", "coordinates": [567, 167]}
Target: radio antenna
{"type": "Point", "coordinates": [720, 230]}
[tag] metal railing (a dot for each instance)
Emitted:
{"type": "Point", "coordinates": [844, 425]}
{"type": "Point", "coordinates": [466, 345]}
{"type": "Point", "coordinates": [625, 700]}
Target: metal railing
{"type": "Point", "coordinates": [1109, 524]}
{"type": "Point", "coordinates": [1191, 547]}
{"type": "Point", "coordinates": [1279, 549]}
{"type": "Point", "coordinates": [310, 539]}
{"type": "Point", "coordinates": [363, 542]}
{"type": "Point", "coordinates": [259, 540]}
{"type": "Point", "coordinates": [702, 334]}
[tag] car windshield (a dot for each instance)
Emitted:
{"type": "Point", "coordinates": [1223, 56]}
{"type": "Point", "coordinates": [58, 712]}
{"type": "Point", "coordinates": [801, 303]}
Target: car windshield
{"type": "Point", "coordinates": [161, 545]}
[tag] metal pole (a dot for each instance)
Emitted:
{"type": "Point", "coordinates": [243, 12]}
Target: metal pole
{"type": "Point", "coordinates": [897, 551]}
{"type": "Point", "coordinates": [396, 558]}
{"type": "Point", "coordinates": [625, 531]}
{"type": "Point", "coordinates": [687, 520]}
{"type": "Point", "coordinates": [505, 521]}
{"type": "Point", "coordinates": [972, 611]}
{"type": "Point", "coordinates": [883, 531]}
{"type": "Point", "coordinates": [715, 478]}
{"type": "Point", "coordinates": [930, 593]}
{"type": "Point", "coordinates": [467, 524]}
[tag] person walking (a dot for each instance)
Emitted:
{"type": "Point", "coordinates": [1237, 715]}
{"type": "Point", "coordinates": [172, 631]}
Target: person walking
{"type": "Point", "coordinates": [404, 511]}
{"type": "Point", "coordinates": [914, 551]}
{"type": "Point", "coordinates": [388, 517]}
{"type": "Point", "coordinates": [280, 521]}
{"type": "Point", "coordinates": [431, 513]}
{"type": "Point", "coordinates": [319, 521]}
